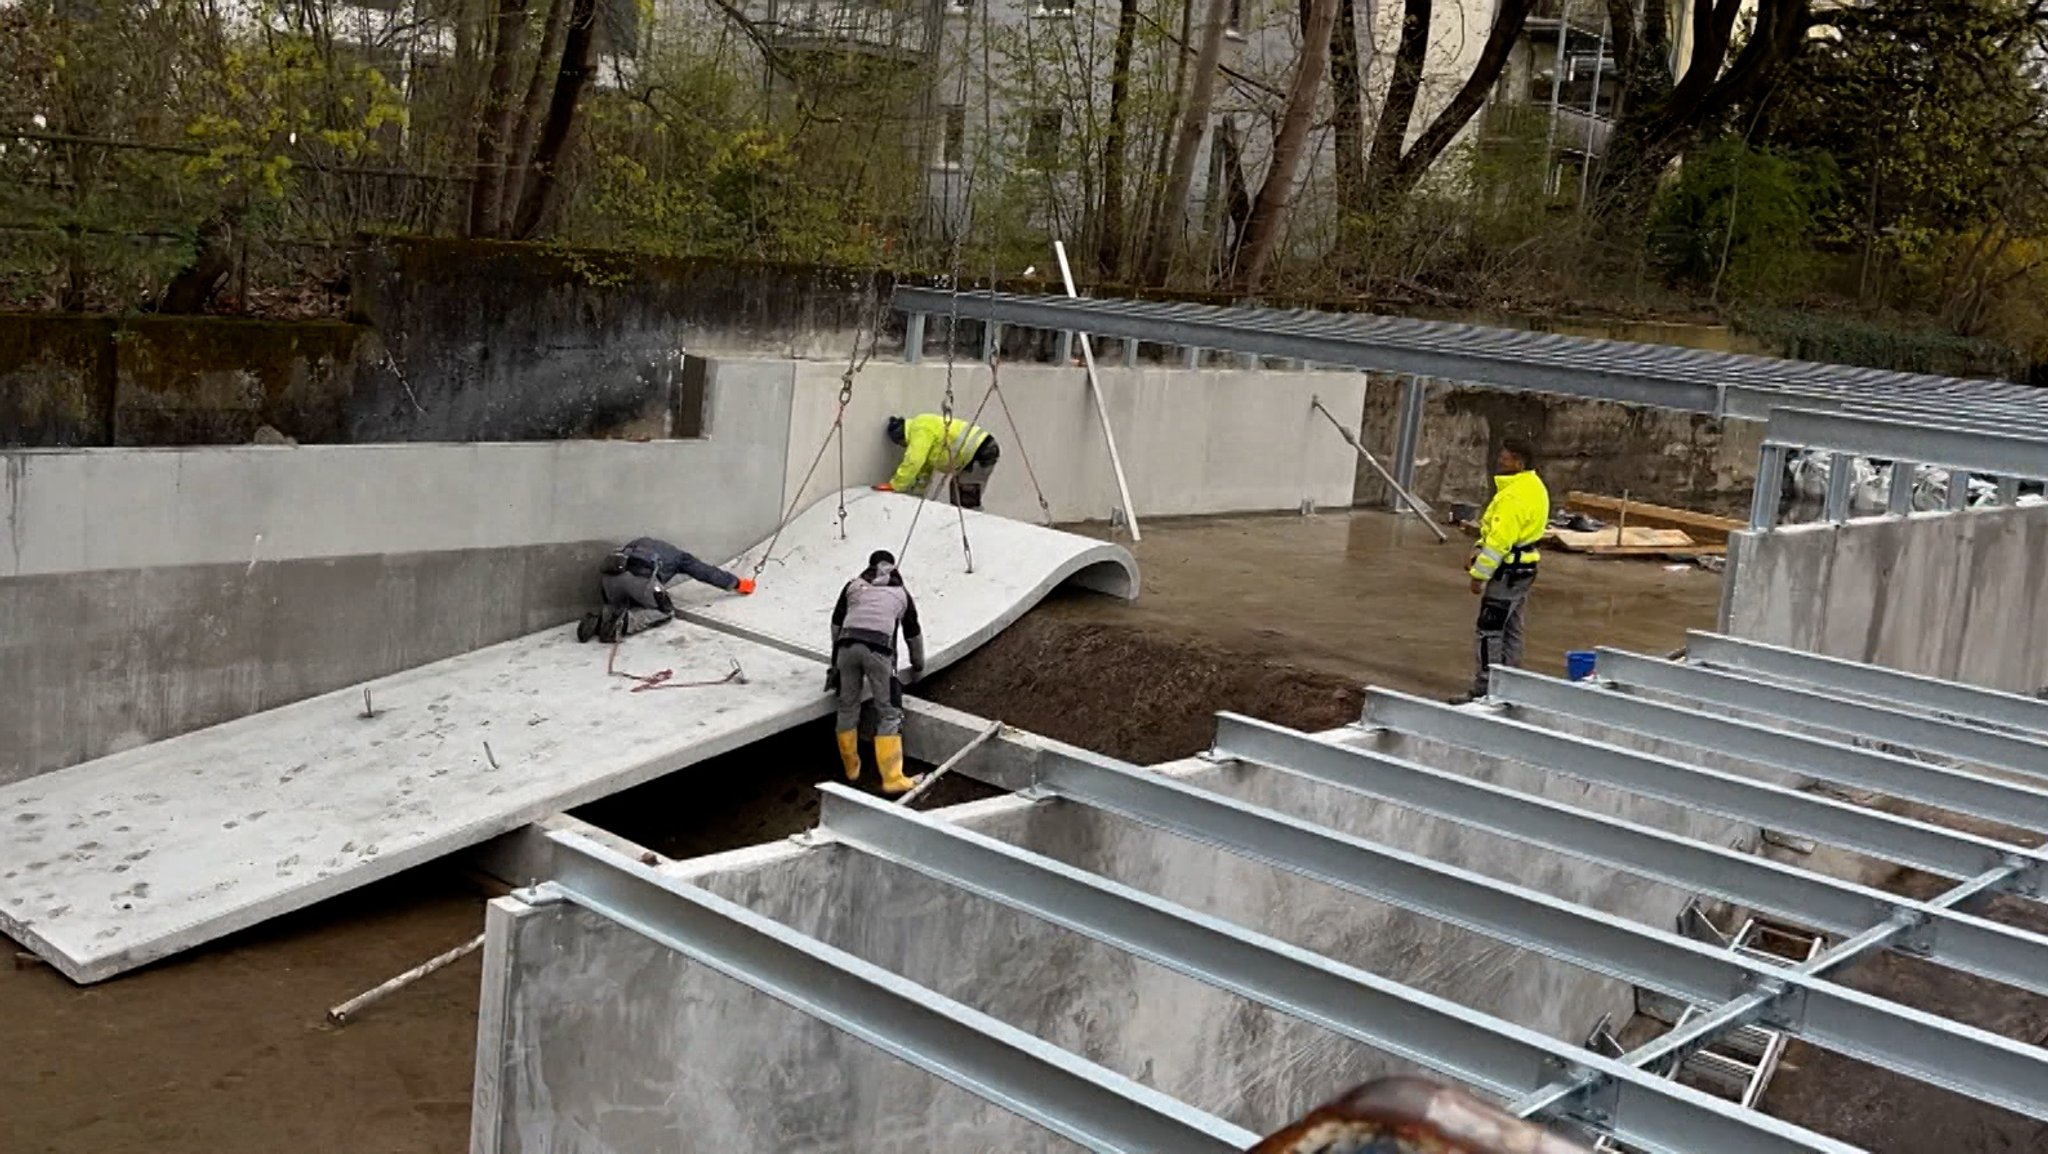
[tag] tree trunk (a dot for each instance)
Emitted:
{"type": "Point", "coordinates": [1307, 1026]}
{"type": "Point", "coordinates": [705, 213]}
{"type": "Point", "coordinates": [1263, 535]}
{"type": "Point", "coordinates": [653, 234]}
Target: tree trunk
{"type": "Point", "coordinates": [1269, 211]}
{"type": "Point", "coordinates": [1347, 116]}
{"type": "Point", "coordinates": [1173, 204]}
{"type": "Point", "coordinates": [1155, 176]}
{"type": "Point", "coordinates": [521, 155]}
{"type": "Point", "coordinates": [579, 55]}
{"type": "Point", "coordinates": [1109, 257]}
{"type": "Point", "coordinates": [494, 128]}
{"type": "Point", "coordinates": [1508, 20]}
{"type": "Point", "coordinates": [1391, 133]}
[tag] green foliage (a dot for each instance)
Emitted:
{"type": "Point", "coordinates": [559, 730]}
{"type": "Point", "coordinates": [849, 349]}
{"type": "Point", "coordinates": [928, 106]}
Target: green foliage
{"type": "Point", "coordinates": [1738, 221]}
{"type": "Point", "coordinates": [1883, 343]}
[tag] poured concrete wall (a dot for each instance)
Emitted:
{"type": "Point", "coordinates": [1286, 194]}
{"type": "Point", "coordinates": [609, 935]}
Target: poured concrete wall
{"type": "Point", "coordinates": [1962, 596]}
{"type": "Point", "coordinates": [145, 593]}
{"type": "Point", "coordinates": [1207, 441]}
{"type": "Point", "coordinates": [595, 1040]}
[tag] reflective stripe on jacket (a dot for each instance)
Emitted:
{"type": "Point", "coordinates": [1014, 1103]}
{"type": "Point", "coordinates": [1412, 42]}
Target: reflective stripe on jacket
{"type": "Point", "coordinates": [927, 438]}
{"type": "Point", "coordinates": [1514, 521]}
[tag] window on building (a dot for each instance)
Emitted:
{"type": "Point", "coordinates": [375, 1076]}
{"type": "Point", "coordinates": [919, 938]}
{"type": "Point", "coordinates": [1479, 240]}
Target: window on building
{"type": "Point", "coordinates": [1042, 144]}
{"type": "Point", "coordinates": [953, 137]}
{"type": "Point", "coordinates": [1236, 21]}
{"type": "Point", "coordinates": [1054, 8]}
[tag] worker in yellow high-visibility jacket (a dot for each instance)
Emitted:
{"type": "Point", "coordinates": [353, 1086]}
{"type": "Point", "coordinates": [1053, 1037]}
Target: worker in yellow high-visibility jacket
{"type": "Point", "coordinates": [932, 443]}
{"type": "Point", "coordinates": [1503, 566]}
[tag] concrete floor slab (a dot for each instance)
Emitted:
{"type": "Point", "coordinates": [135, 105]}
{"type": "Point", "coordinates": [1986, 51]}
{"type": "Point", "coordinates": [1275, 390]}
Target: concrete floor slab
{"type": "Point", "coordinates": [133, 857]}
{"type": "Point", "coordinates": [1015, 564]}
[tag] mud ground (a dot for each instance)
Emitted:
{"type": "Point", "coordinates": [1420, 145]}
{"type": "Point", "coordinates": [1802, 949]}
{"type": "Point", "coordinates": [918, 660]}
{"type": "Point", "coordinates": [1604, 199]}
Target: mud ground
{"type": "Point", "coordinates": [226, 1050]}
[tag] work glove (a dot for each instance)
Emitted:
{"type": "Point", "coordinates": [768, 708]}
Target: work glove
{"type": "Point", "coordinates": [832, 680]}
{"type": "Point", "coordinates": [885, 487]}
{"type": "Point", "coordinates": [745, 588]}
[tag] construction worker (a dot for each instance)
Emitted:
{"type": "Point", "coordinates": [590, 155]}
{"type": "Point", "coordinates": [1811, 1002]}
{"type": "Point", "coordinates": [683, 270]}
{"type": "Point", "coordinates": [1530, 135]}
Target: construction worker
{"type": "Point", "coordinates": [633, 580]}
{"type": "Point", "coordinates": [932, 442]}
{"type": "Point", "coordinates": [1503, 566]}
{"type": "Point", "coordinates": [871, 609]}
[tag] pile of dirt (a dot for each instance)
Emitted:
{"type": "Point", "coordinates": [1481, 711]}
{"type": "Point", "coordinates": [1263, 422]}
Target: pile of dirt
{"type": "Point", "coordinates": [1132, 694]}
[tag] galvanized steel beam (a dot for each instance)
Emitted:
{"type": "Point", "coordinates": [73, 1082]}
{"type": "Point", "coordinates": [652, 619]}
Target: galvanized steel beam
{"type": "Point", "coordinates": [1941, 934]}
{"type": "Point", "coordinates": [1896, 1037]}
{"type": "Point", "coordinates": [2003, 454]}
{"type": "Point", "coordinates": [1951, 699]}
{"type": "Point", "coordinates": [1076, 1099]}
{"type": "Point", "coordinates": [1881, 835]}
{"type": "Point", "coordinates": [1988, 747]}
{"type": "Point", "coordinates": [1979, 795]}
{"type": "Point", "coordinates": [1480, 1050]}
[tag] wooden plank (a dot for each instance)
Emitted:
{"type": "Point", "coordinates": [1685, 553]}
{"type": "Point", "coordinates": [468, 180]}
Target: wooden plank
{"type": "Point", "coordinates": [1705, 526]}
{"type": "Point", "coordinates": [1637, 536]}
{"type": "Point", "coordinates": [1657, 551]}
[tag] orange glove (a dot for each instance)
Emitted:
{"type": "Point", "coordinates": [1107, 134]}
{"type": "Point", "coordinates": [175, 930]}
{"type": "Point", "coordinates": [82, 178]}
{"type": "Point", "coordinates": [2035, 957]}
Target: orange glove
{"type": "Point", "coordinates": [885, 487]}
{"type": "Point", "coordinates": [745, 587]}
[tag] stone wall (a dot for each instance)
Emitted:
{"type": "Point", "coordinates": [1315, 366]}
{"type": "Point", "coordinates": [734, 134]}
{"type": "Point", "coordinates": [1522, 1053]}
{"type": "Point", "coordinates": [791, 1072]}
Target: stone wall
{"type": "Point", "coordinates": [1656, 455]}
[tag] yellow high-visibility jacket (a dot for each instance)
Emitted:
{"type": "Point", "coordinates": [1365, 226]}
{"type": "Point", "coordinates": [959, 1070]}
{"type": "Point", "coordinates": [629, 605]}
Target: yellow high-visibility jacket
{"type": "Point", "coordinates": [1514, 521]}
{"type": "Point", "coordinates": [932, 442]}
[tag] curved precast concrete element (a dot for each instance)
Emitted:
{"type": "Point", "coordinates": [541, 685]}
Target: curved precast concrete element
{"type": "Point", "coordinates": [136, 856]}
{"type": "Point", "coordinates": [1014, 566]}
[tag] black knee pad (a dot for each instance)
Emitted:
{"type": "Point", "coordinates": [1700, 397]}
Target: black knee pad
{"type": "Point", "coordinates": [1493, 615]}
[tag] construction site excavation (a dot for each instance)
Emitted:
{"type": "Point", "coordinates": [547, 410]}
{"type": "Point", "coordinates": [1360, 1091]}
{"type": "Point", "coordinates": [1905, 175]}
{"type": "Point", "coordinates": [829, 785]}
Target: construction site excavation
{"type": "Point", "coordinates": [1068, 724]}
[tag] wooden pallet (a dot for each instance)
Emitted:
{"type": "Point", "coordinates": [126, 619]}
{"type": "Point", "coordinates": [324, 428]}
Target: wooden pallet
{"type": "Point", "coordinates": [1705, 528]}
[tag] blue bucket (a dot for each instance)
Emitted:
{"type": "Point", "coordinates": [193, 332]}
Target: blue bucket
{"type": "Point", "coordinates": [1578, 664]}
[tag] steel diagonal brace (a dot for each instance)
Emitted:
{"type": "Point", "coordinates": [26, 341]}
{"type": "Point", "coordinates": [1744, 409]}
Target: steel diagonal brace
{"type": "Point", "coordinates": [1771, 1002]}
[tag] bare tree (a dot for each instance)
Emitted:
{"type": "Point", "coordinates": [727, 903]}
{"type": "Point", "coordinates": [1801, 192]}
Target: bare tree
{"type": "Point", "coordinates": [1171, 218]}
{"type": "Point", "coordinates": [520, 156]}
{"type": "Point", "coordinates": [1269, 211]}
{"type": "Point", "coordinates": [1392, 172]}
{"type": "Point", "coordinates": [494, 130]}
{"type": "Point", "coordinates": [579, 59]}
{"type": "Point", "coordinates": [1109, 255]}
{"type": "Point", "coordinates": [1347, 109]}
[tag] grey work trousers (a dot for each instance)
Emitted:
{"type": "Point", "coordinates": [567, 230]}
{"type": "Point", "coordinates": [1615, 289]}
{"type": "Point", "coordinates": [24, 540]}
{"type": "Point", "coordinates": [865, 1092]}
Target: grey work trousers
{"type": "Point", "coordinates": [1501, 618]}
{"type": "Point", "coordinates": [862, 668]}
{"type": "Point", "coordinates": [966, 486]}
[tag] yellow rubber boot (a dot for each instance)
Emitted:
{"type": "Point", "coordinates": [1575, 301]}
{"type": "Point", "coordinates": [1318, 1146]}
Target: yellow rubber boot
{"type": "Point", "coordinates": [849, 752]}
{"type": "Point", "coordinates": [889, 753]}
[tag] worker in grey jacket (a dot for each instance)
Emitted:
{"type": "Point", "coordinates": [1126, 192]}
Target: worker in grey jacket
{"type": "Point", "coordinates": [633, 580]}
{"type": "Point", "coordinates": [871, 609]}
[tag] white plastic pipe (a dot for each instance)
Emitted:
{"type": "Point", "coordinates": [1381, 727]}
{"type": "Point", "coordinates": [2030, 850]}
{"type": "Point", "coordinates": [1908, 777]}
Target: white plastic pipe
{"type": "Point", "coordinates": [1123, 488]}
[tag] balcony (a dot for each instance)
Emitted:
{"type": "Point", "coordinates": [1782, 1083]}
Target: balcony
{"type": "Point", "coordinates": [1579, 133]}
{"type": "Point", "coordinates": [1588, 17]}
{"type": "Point", "coordinates": [893, 30]}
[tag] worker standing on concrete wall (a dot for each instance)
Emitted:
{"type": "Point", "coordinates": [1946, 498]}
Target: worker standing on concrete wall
{"type": "Point", "coordinates": [871, 609]}
{"type": "Point", "coordinates": [634, 581]}
{"type": "Point", "coordinates": [1503, 565]}
{"type": "Point", "coordinates": [932, 442]}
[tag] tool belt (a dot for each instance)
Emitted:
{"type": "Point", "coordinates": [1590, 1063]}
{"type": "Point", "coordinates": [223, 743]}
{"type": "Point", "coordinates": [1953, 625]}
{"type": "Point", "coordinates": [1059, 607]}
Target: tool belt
{"type": "Point", "coordinates": [1518, 562]}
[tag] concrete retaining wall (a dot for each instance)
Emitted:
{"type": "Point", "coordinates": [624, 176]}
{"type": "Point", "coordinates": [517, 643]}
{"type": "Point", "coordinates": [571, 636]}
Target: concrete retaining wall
{"type": "Point", "coordinates": [666, 1070]}
{"type": "Point", "coordinates": [1209, 441]}
{"type": "Point", "coordinates": [145, 593]}
{"type": "Point", "coordinates": [1962, 596]}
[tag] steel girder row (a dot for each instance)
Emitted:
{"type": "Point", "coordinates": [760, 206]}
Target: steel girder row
{"type": "Point", "coordinates": [1720, 384]}
{"type": "Point", "coordinates": [1995, 445]}
{"type": "Point", "coordinates": [1948, 699]}
{"type": "Point", "coordinates": [1896, 1037]}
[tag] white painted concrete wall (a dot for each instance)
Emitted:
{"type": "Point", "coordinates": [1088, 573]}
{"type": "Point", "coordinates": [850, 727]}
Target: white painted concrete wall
{"type": "Point", "coordinates": [1208, 441]}
{"type": "Point", "coordinates": [1962, 595]}
{"type": "Point", "coordinates": [84, 510]}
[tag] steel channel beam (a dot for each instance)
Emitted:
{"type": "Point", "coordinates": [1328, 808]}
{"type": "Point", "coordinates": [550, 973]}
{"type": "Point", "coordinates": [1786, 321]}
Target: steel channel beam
{"type": "Point", "coordinates": [1899, 1038]}
{"type": "Point", "coordinates": [1987, 747]}
{"type": "Point", "coordinates": [1076, 1099]}
{"type": "Point", "coordinates": [1881, 835]}
{"type": "Point", "coordinates": [1674, 1047]}
{"type": "Point", "coordinates": [1978, 946]}
{"type": "Point", "coordinates": [1474, 1048]}
{"type": "Point", "coordinates": [2003, 454]}
{"type": "Point", "coordinates": [1950, 699]}
{"type": "Point", "coordinates": [1487, 352]}
{"type": "Point", "coordinates": [1835, 505]}
{"type": "Point", "coordinates": [1414, 397]}
{"type": "Point", "coordinates": [1770, 488]}
{"type": "Point", "coordinates": [1898, 496]}
{"type": "Point", "coordinates": [1328, 348]}
{"type": "Point", "coordinates": [1992, 798]}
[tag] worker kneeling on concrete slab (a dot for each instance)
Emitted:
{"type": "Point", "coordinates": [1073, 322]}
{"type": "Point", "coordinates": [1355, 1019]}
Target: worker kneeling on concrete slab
{"type": "Point", "coordinates": [1503, 567]}
{"type": "Point", "coordinates": [966, 453]}
{"type": "Point", "coordinates": [871, 609]}
{"type": "Point", "coordinates": [633, 580]}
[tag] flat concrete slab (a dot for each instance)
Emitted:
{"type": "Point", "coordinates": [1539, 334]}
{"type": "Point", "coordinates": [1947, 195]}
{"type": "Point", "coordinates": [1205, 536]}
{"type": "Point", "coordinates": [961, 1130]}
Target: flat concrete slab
{"type": "Point", "coordinates": [1015, 564]}
{"type": "Point", "coordinates": [130, 858]}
